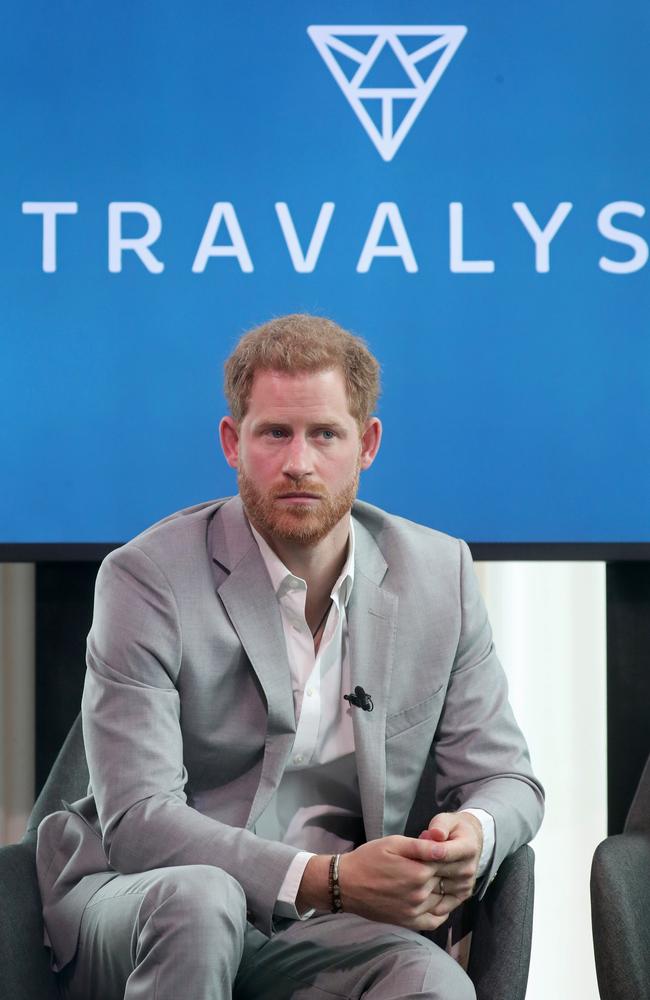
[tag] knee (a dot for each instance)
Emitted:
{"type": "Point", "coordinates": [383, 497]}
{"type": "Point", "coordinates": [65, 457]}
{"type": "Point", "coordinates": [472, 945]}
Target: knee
{"type": "Point", "coordinates": [464, 987]}
{"type": "Point", "coordinates": [457, 983]}
{"type": "Point", "coordinates": [438, 975]}
{"type": "Point", "coordinates": [203, 895]}
{"type": "Point", "coordinates": [207, 885]}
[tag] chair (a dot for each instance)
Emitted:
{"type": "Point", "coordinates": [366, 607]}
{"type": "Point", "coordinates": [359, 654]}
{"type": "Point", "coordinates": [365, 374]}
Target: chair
{"type": "Point", "coordinates": [502, 922]}
{"type": "Point", "coordinates": [620, 904]}
{"type": "Point", "coordinates": [25, 972]}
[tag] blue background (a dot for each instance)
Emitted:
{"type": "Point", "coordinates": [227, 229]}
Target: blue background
{"type": "Point", "coordinates": [516, 405]}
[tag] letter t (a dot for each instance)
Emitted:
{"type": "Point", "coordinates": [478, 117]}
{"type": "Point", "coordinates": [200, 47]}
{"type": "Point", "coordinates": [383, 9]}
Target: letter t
{"type": "Point", "coordinates": [49, 210]}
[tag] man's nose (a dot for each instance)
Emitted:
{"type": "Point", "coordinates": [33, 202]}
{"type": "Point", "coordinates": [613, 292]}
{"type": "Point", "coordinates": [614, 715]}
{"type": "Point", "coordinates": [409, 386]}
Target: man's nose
{"type": "Point", "coordinates": [297, 459]}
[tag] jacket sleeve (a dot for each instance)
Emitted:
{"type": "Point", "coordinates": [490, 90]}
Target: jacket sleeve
{"type": "Point", "coordinates": [131, 721]}
{"type": "Point", "coordinates": [481, 756]}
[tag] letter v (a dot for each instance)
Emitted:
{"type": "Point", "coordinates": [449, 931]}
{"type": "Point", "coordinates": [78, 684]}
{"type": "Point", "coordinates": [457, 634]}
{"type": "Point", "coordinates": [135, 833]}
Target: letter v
{"type": "Point", "coordinates": [304, 263]}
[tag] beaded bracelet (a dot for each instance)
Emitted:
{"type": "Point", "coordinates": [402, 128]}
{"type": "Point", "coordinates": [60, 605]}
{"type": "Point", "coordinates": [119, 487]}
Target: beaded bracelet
{"type": "Point", "coordinates": [333, 884]}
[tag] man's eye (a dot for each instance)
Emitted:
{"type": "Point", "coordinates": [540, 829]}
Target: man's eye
{"type": "Point", "coordinates": [276, 432]}
{"type": "Point", "coordinates": [327, 434]}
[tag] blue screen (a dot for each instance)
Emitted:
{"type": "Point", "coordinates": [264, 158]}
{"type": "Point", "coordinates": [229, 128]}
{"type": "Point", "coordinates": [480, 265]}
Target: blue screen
{"type": "Point", "coordinates": [466, 189]}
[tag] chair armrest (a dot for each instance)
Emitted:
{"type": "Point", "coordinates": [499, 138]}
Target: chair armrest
{"type": "Point", "coordinates": [620, 916]}
{"type": "Point", "coordinates": [24, 961]}
{"type": "Point", "coordinates": [499, 957]}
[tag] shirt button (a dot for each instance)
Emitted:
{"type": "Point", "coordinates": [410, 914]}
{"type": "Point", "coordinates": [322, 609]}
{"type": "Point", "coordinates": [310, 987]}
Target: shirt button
{"type": "Point", "coordinates": [309, 692]}
{"type": "Point", "coordinates": [297, 759]}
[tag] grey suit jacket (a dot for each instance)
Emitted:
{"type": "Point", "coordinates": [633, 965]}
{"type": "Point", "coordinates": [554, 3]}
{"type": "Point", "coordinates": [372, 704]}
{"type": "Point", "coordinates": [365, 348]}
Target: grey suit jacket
{"type": "Point", "coordinates": [188, 710]}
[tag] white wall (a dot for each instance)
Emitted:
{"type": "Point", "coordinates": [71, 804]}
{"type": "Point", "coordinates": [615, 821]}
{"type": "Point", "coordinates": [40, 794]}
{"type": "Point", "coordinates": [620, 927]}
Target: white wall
{"type": "Point", "coordinates": [549, 628]}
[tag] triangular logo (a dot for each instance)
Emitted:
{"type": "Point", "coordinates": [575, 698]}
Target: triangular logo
{"type": "Point", "coordinates": [387, 67]}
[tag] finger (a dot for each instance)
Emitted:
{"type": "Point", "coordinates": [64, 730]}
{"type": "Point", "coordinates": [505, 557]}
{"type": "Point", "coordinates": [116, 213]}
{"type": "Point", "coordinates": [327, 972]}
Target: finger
{"type": "Point", "coordinates": [461, 870]}
{"type": "Point", "coordinates": [439, 906]}
{"type": "Point", "coordinates": [442, 906]}
{"type": "Point", "coordinates": [441, 826]}
{"type": "Point", "coordinates": [457, 851]}
{"type": "Point", "coordinates": [460, 873]}
{"type": "Point", "coordinates": [426, 897]}
{"type": "Point", "coordinates": [437, 837]}
{"type": "Point", "coordinates": [426, 922]}
{"type": "Point", "coordinates": [418, 849]}
{"type": "Point", "coordinates": [431, 887]}
{"type": "Point", "coordinates": [434, 833]}
{"type": "Point", "coordinates": [462, 888]}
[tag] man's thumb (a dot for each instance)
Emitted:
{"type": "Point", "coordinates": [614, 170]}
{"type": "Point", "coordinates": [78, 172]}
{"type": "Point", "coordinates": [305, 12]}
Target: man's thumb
{"type": "Point", "coordinates": [439, 827]}
{"type": "Point", "coordinates": [417, 849]}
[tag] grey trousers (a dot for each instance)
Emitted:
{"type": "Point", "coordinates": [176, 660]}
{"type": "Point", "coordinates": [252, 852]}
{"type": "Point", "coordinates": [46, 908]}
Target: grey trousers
{"type": "Point", "coordinates": [181, 934]}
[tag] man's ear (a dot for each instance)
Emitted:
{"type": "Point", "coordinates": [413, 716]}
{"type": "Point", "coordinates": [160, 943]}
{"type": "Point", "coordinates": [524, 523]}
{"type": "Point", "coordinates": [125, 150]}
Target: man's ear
{"type": "Point", "coordinates": [229, 437]}
{"type": "Point", "coordinates": [370, 441]}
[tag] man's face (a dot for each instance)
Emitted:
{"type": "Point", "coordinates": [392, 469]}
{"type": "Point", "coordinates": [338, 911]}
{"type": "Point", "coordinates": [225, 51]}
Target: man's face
{"type": "Point", "coordinates": [298, 453]}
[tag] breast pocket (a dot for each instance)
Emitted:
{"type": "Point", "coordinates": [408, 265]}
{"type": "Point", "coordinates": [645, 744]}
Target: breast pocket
{"type": "Point", "coordinates": [417, 714]}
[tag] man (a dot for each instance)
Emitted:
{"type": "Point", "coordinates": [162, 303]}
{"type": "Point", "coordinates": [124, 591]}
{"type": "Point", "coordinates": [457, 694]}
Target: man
{"type": "Point", "coordinates": [267, 677]}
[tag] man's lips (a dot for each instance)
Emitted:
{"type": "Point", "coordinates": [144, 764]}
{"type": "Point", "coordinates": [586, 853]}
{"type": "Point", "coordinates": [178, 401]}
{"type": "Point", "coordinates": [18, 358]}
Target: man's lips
{"type": "Point", "coordinates": [298, 496]}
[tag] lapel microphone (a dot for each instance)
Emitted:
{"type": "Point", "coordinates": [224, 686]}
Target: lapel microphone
{"type": "Point", "coordinates": [360, 699]}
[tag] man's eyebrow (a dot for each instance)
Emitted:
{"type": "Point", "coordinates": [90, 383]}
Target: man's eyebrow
{"type": "Point", "coordinates": [332, 424]}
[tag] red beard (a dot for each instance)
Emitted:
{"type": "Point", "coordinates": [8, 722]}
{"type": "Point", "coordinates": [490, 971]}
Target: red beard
{"type": "Point", "coordinates": [306, 524]}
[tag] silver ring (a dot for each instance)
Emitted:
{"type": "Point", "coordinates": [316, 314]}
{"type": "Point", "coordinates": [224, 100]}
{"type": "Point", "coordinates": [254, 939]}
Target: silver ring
{"type": "Point", "coordinates": [441, 887]}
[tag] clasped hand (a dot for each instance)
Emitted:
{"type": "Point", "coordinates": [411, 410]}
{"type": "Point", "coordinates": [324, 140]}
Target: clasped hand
{"type": "Point", "coordinates": [398, 879]}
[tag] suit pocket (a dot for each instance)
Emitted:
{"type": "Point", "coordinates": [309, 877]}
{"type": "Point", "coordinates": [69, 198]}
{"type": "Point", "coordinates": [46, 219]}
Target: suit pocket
{"type": "Point", "coordinates": [413, 716]}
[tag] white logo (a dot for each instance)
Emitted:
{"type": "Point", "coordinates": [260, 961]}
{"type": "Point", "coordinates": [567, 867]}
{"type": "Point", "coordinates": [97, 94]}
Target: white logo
{"type": "Point", "coordinates": [387, 72]}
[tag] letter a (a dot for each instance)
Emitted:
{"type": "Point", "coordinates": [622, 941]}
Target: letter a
{"type": "Point", "coordinates": [387, 211]}
{"type": "Point", "coordinates": [222, 211]}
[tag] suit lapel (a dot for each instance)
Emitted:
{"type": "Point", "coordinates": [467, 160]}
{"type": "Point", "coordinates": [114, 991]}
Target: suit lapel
{"type": "Point", "coordinates": [372, 622]}
{"type": "Point", "coordinates": [250, 602]}
{"type": "Point", "coordinates": [248, 597]}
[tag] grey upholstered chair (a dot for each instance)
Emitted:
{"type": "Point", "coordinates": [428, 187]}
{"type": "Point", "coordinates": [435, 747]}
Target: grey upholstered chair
{"type": "Point", "coordinates": [24, 961]}
{"type": "Point", "coordinates": [620, 904]}
{"type": "Point", "coordinates": [502, 921]}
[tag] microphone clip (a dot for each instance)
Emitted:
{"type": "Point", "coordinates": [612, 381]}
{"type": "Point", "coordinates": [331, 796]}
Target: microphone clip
{"type": "Point", "coordinates": [360, 699]}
